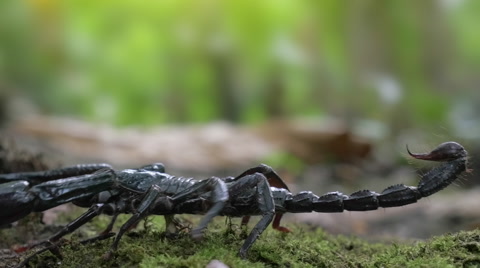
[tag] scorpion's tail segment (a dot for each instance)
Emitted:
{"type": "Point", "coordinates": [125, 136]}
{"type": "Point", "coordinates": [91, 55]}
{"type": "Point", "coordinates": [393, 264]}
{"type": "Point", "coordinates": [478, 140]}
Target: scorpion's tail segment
{"type": "Point", "coordinates": [398, 195]}
{"type": "Point", "coordinates": [454, 159]}
{"type": "Point", "coordinates": [393, 196]}
{"type": "Point", "coordinates": [442, 176]}
{"type": "Point", "coordinates": [36, 177]}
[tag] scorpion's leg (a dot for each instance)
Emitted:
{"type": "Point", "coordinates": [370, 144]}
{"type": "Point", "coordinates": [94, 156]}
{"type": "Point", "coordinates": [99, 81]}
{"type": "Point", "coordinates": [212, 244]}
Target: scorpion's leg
{"type": "Point", "coordinates": [91, 213]}
{"type": "Point", "coordinates": [52, 242]}
{"type": "Point", "coordinates": [172, 225]}
{"type": "Point", "coordinates": [275, 181]}
{"type": "Point", "coordinates": [54, 247]}
{"type": "Point", "coordinates": [218, 196]}
{"type": "Point", "coordinates": [36, 177]}
{"type": "Point", "coordinates": [110, 225]}
{"type": "Point", "coordinates": [153, 197]}
{"type": "Point", "coordinates": [265, 202]}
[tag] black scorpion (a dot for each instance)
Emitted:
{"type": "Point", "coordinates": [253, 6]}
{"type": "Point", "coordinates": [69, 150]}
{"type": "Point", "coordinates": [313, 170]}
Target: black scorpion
{"type": "Point", "coordinates": [150, 191]}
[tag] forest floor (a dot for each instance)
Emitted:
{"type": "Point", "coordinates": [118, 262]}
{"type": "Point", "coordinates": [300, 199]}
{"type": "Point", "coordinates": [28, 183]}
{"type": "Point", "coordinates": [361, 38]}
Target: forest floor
{"type": "Point", "coordinates": [305, 246]}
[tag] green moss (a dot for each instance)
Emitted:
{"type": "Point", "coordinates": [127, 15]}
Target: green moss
{"type": "Point", "coordinates": [304, 247]}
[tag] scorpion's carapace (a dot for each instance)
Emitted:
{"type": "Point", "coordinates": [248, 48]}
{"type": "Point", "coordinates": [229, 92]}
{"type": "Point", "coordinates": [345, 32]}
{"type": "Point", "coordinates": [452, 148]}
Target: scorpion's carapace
{"type": "Point", "coordinates": [149, 190]}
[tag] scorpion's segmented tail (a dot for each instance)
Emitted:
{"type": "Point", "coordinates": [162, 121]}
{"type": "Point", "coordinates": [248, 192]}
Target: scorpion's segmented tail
{"type": "Point", "coordinates": [452, 154]}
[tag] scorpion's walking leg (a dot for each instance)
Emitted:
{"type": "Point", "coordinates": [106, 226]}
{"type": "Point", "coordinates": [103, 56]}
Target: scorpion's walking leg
{"type": "Point", "coordinates": [275, 181]}
{"type": "Point", "coordinates": [218, 196]}
{"type": "Point", "coordinates": [265, 202]}
{"type": "Point", "coordinates": [110, 225]}
{"type": "Point", "coordinates": [91, 213]}
{"type": "Point", "coordinates": [52, 242]}
{"type": "Point", "coordinates": [172, 225]}
{"type": "Point", "coordinates": [152, 196]}
{"type": "Point", "coordinates": [36, 177]}
{"type": "Point", "coordinates": [157, 167]}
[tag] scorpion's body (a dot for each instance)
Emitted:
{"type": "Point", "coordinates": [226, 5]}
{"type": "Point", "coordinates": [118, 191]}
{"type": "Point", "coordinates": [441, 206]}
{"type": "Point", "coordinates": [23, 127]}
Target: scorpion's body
{"type": "Point", "coordinates": [149, 190]}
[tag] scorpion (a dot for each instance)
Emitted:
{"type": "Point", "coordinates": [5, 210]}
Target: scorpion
{"type": "Point", "coordinates": [148, 190]}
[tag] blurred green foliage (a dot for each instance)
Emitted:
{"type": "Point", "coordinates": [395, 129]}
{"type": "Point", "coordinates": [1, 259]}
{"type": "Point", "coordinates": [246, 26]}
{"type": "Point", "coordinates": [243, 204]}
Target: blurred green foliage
{"type": "Point", "coordinates": [149, 62]}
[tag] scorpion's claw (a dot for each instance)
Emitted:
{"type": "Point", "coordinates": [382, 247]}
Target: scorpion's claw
{"type": "Point", "coordinates": [444, 152]}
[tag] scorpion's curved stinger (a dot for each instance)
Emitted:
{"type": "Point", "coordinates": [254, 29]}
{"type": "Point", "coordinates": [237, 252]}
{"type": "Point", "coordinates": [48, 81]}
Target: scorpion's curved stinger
{"type": "Point", "coordinates": [444, 152]}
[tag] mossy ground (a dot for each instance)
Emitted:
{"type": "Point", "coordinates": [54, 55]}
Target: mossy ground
{"type": "Point", "coordinates": [304, 247]}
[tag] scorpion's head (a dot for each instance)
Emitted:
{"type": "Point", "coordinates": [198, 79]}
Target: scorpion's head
{"type": "Point", "coordinates": [444, 152]}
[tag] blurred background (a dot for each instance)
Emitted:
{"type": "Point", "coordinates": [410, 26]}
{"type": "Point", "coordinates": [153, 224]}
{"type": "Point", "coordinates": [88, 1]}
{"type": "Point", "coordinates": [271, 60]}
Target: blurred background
{"type": "Point", "coordinates": [327, 92]}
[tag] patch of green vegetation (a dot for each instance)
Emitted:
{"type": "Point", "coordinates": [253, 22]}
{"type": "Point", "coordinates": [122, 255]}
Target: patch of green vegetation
{"type": "Point", "coordinates": [304, 247]}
